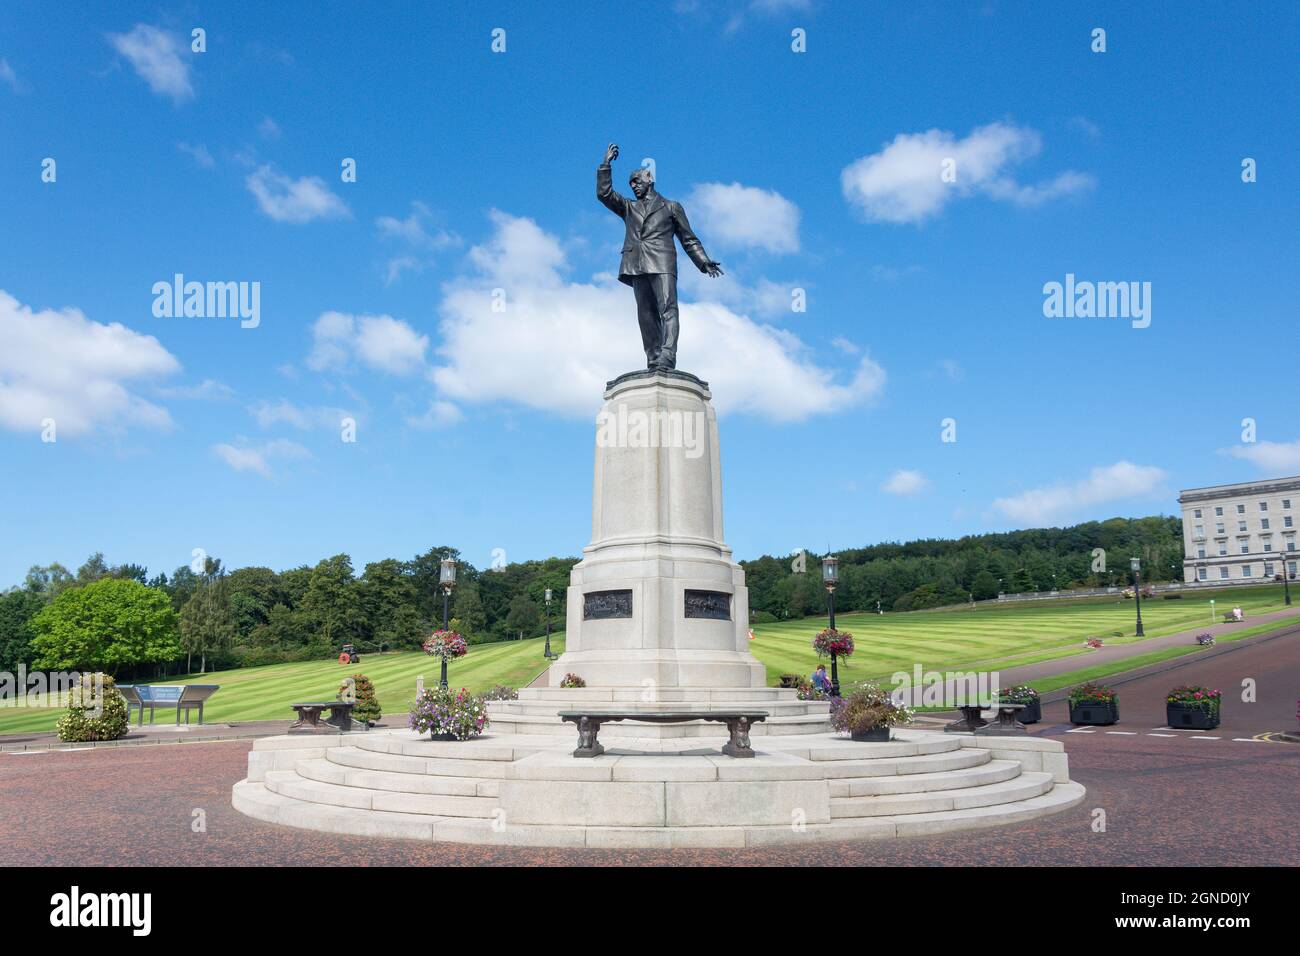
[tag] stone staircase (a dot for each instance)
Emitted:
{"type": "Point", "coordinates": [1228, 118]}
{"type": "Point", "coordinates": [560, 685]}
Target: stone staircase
{"type": "Point", "coordinates": [527, 789]}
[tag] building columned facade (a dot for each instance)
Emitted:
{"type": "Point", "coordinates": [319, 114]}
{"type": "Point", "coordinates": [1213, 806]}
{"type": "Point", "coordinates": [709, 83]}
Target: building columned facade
{"type": "Point", "coordinates": [1242, 532]}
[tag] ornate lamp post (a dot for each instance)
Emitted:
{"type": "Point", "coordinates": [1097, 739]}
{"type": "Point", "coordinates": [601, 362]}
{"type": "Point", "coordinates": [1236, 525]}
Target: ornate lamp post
{"type": "Point", "coordinates": [1136, 565]}
{"type": "Point", "coordinates": [830, 577]}
{"type": "Point", "coordinates": [447, 580]}
{"type": "Point", "coordinates": [547, 653]}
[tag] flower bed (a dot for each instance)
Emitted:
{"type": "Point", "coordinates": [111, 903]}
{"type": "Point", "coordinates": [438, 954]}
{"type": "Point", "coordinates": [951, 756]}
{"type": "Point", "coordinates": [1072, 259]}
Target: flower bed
{"type": "Point", "coordinates": [572, 680]}
{"type": "Point", "coordinates": [1191, 706]}
{"type": "Point", "coordinates": [448, 714]}
{"type": "Point", "coordinates": [502, 692]}
{"type": "Point", "coordinates": [1093, 642]}
{"type": "Point", "coordinates": [807, 691]}
{"type": "Point", "coordinates": [1205, 640]}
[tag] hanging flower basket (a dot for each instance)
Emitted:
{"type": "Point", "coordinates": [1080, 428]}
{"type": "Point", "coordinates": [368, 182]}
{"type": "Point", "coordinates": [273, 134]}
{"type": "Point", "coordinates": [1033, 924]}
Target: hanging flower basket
{"type": "Point", "coordinates": [447, 645]}
{"type": "Point", "coordinates": [839, 643]}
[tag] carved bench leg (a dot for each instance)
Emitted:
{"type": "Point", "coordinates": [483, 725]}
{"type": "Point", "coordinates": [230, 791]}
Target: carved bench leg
{"type": "Point", "coordinates": [738, 745]}
{"type": "Point", "coordinates": [588, 745]}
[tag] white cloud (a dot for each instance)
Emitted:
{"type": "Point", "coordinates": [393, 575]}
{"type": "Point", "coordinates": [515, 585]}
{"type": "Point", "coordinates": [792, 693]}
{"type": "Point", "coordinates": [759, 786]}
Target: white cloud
{"type": "Point", "coordinates": [9, 76]}
{"type": "Point", "coordinates": [159, 59]}
{"type": "Point", "coordinates": [199, 153]}
{"type": "Point", "coordinates": [294, 200]}
{"type": "Point", "coordinates": [269, 128]}
{"type": "Point", "coordinates": [1040, 507]}
{"type": "Point", "coordinates": [61, 365]}
{"type": "Point", "coordinates": [845, 346]}
{"type": "Point", "coordinates": [377, 341]}
{"type": "Point", "coordinates": [905, 483]}
{"type": "Point", "coordinates": [586, 333]}
{"type": "Point", "coordinates": [439, 414]}
{"type": "Point", "coordinates": [207, 390]}
{"type": "Point", "coordinates": [414, 233]}
{"type": "Point", "coordinates": [764, 298]}
{"type": "Point", "coordinates": [1277, 458]}
{"type": "Point", "coordinates": [268, 414]}
{"type": "Point", "coordinates": [745, 217]}
{"type": "Point", "coordinates": [260, 458]}
{"type": "Point", "coordinates": [904, 181]}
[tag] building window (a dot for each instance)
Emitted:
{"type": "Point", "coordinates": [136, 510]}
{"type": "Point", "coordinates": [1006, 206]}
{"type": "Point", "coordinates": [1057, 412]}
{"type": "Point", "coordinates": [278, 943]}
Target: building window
{"type": "Point", "coordinates": [1241, 526]}
{"type": "Point", "coordinates": [1286, 504]}
{"type": "Point", "coordinates": [1196, 513]}
{"type": "Point", "coordinates": [1223, 572]}
{"type": "Point", "coordinates": [1291, 569]}
{"type": "Point", "coordinates": [1245, 548]}
{"type": "Point", "coordinates": [1290, 543]}
{"type": "Point", "coordinates": [1218, 512]}
{"type": "Point", "coordinates": [1245, 570]}
{"type": "Point", "coordinates": [1218, 528]}
{"type": "Point", "coordinates": [1223, 548]}
{"type": "Point", "coordinates": [1200, 531]}
{"type": "Point", "coordinates": [1200, 552]}
{"type": "Point", "coordinates": [1263, 523]}
{"type": "Point", "coordinates": [1268, 570]}
{"type": "Point", "coordinates": [1241, 509]}
{"type": "Point", "coordinates": [1268, 546]}
{"type": "Point", "coordinates": [1200, 574]}
{"type": "Point", "coordinates": [1263, 506]}
{"type": "Point", "coordinates": [1286, 522]}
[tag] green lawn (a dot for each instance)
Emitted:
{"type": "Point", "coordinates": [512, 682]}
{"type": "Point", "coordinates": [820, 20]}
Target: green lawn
{"type": "Point", "coordinates": [999, 636]}
{"type": "Point", "coordinates": [265, 693]}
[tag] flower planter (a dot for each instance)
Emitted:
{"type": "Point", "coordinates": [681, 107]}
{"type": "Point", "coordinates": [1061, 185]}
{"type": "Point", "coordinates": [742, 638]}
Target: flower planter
{"type": "Point", "coordinates": [874, 735]}
{"type": "Point", "coordinates": [1033, 711]}
{"type": "Point", "coordinates": [1191, 716]}
{"type": "Point", "coordinates": [1094, 712]}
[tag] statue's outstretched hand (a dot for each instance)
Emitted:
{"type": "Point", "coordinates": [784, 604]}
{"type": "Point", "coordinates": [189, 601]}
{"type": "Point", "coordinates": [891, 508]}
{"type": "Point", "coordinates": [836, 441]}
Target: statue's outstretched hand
{"type": "Point", "coordinates": [714, 269]}
{"type": "Point", "coordinates": [611, 153]}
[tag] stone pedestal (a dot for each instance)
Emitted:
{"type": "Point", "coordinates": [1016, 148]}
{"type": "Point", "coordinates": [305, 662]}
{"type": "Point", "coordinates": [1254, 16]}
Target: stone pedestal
{"type": "Point", "coordinates": [657, 601]}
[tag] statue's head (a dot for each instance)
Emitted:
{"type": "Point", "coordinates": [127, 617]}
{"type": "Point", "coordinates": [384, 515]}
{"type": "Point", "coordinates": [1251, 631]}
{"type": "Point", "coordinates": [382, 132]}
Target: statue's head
{"type": "Point", "coordinates": [642, 181]}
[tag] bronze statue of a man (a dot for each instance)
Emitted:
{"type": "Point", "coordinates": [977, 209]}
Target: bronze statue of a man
{"type": "Point", "coordinates": [649, 263]}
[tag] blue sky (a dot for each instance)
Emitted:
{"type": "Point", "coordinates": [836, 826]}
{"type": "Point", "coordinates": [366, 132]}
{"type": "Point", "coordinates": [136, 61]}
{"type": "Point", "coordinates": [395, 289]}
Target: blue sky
{"type": "Point", "coordinates": [817, 171]}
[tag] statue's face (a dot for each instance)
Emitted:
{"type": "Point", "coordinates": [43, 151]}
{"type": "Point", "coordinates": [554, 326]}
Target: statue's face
{"type": "Point", "coordinates": [641, 185]}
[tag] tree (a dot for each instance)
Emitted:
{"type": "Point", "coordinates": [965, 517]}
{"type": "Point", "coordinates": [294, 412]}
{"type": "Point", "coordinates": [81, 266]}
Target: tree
{"type": "Point", "coordinates": [207, 621]}
{"type": "Point", "coordinates": [94, 569]}
{"type": "Point", "coordinates": [17, 608]}
{"type": "Point", "coordinates": [524, 616]}
{"type": "Point", "coordinates": [985, 586]}
{"type": "Point", "coordinates": [107, 625]}
{"type": "Point", "coordinates": [467, 604]}
{"type": "Point", "coordinates": [388, 602]}
{"type": "Point", "coordinates": [332, 604]}
{"type": "Point", "coordinates": [50, 580]}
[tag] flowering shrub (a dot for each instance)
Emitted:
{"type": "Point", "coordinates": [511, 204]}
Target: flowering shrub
{"type": "Point", "coordinates": [1195, 696]}
{"type": "Point", "coordinates": [1093, 642]}
{"type": "Point", "coordinates": [361, 692]}
{"type": "Point", "coordinates": [446, 644]}
{"type": "Point", "coordinates": [1205, 640]}
{"type": "Point", "coordinates": [1091, 693]}
{"type": "Point", "coordinates": [1020, 694]}
{"type": "Point", "coordinates": [444, 711]}
{"type": "Point", "coordinates": [806, 691]}
{"type": "Point", "coordinates": [502, 692]}
{"type": "Point", "coordinates": [867, 707]}
{"type": "Point", "coordinates": [80, 723]}
{"type": "Point", "coordinates": [572, 680]}
{"type": "Point", "coordinates": [839, 643]}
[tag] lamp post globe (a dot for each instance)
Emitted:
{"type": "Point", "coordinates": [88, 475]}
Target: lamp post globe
{"type": "Point", "coordinates": [1136, 565]}
{"type": "Point", "coordinates": [831, 577]}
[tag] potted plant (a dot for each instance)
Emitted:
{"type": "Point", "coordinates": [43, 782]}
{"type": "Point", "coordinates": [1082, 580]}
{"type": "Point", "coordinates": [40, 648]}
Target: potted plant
{"type": "Point", "coordinates": [361, 692]}
{"type": "Point", "coordinates": [1032, 712]}
{"type": "Point", "coordinates": [1205, 640]}
{"type": "Point", "coordinates": [449, 715]}
{"type": "Point", "coordinates": [1192, 706]}
{"type": "Point", "coordinates": [572, 680]}
{"type": "Point", "coordinates": [867, 713]}
{"type": "Point", "coordinates": [502, 692]}
{"type": "Point", "coordinates": [1093, 703]}
{"type": "Point", "coordinates": [806, 691]}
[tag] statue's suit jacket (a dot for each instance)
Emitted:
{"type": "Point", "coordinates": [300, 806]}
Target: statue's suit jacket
{"type": "Point", "coordinates": [651, 223]}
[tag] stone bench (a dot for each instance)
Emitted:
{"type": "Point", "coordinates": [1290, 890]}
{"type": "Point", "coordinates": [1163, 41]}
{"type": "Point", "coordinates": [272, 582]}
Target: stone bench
{"type": "Point", "coordinates": [309, 721]}
{"type": "Point", "coordinates": [738, 723]}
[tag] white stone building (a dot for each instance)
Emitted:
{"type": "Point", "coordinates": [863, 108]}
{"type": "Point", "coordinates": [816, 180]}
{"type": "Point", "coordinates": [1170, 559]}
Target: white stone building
{"type": "Point", "coordinates": [1241, 533]}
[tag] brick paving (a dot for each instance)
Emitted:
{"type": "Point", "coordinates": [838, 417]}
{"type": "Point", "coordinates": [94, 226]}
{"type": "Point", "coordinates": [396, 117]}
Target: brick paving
{"type": "Point", "coordinates": [1168, 801]}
